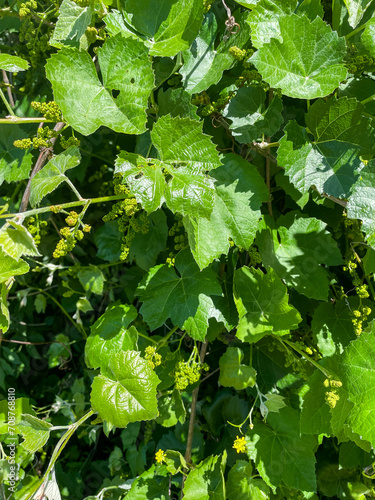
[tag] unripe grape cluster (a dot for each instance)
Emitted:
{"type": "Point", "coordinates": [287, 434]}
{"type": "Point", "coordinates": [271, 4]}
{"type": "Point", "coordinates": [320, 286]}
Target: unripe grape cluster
{"type": "Point", "coordinates": [70, 235]}
{"type": "Point", "coordinates": [50, 110]}
{"type": "Point", "coordinates": [153, 358]}
{"type": "Point", "coordinates": [180, 240]}
{"type": "Point", "coordinates": [37, 228]}
{"type": "Point", "coordinates": [71, 141]}
{"type": "Point", "coordinates": [331, 395]}
{"type": "Point", "coordinates": [188, 373]}
{"type": "Point", "coordinates": [26, 8]}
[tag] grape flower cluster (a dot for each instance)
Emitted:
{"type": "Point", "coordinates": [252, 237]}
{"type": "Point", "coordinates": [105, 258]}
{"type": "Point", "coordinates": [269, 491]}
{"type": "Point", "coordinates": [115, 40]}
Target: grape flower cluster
{"type": "Point", "coordinates": [70, 235]}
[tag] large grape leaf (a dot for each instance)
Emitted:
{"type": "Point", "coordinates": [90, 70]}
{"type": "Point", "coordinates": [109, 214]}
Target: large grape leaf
{"type": "Point", "coordinates": [181, 294]}
{"type": "Point", "coordinates": [233, 373]}
{"type": "Point", "coordinates": [168, 26]}
{"type": "Point", "coordinates": [206, 481]}
{"type": "Point", "coordinates": [281, 454]}
{"type": "Point", "coordinates": [332, 326]}
{"type": "Point", "coordinates": [14, 163]}
{"type": "Point", "coordinates": [307, 63]}
{"type": "Point", "coordinates": [110, 334]}
{"type": "Point", "coordinates": [125, 390]}
{"type": "Point", "coordinates": [330, 166]}
{"type": "Point", "coordinates": [53, 174]}
{"type": "Point", "coordinates": [17, 241]}
{"type": "Point", "coordinates": [356, 9]}
{"type": "Point", "coordinates": [251, 119]}
{"type": "Point", "coordinates": [240, 191]}
{"type": "Point", "coordinates": [203, 62]}
{"type": "Point", "coordinates": [297, 252]}
{"type": "Point", "coordinates": [86, 103]}
{"type": "Point", "coordinates": [262, 304]}
{"type": "Point", "coordinates": [264, 19]}
{"type": "Point", "coordinates": [358, 377]}
{"type": "Point", "coordinates": [179, 178]}
{"type": "Point", "coordinates": [361, 203]}
{"type": "Point", "coordinates": [71, 24]}
{"type": "Point", "coordinates": [342, 120]}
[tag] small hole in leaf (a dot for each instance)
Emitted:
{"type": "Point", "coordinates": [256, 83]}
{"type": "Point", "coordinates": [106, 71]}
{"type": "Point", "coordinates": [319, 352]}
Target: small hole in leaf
{"type": "Point", "coordinates": [139, 176]}
{"type": "Point", "coordinates": [115, 93]}
{"type": "Point", "coordinates": [132, 80]}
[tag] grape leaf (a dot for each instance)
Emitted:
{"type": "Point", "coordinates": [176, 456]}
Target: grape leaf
{"type": "Point", "coordinates": [316, 413]}
{"type": "Point", "coordinates": [34, 431]}
{"type": "Point", "coordinates": [110, 334]}
{"type": "Point", "coordinates": [262, 304]}
{"type": "Point", "coordinates": [296, 254]}
{"type": "Point", "coordinates": [86, 103]}
{"type": "Point", "coordinates": [71, 24]}
{"type": "Point", "coordinates": [330, 166]}
{"type": "Point", "coordinates": [203, 63]}
{"type": "Point", "coordinates": [240, 191]}
{"type": "Point", "coordinates": [10, 267]}
{"type": "Point", "coordinates": [206, 481]}
{"type": "Point", "coordinates": [14, 163]}
{"type": "Point", "coordinates": [168, 26]}
{"type": "Point", "coordinates": [13, 63]}
{"type": "Point", "coordinates": [240, 484]}
{"type": "Point", "coordinates": [91, 279]}
{"type": "Point", "coordinates": [150, 485]}
{"type": "Point", "coordinates": [108, 241]}
{"type": "Point", "coordinates": [356, 9]}
{"type": "Point", "coordinates": [361, 202]}
{"type": "Point", "coordinates": [358, 377]}
{"type": "Point", "coordinates": [264, 20]}
{"type": "Point", "coordinates": [4, 311]}
{"type": "Point", "coordinates": [171, 409]}
{"type": "Point", "coordinates": [53, 174]}
{"type": "Point", "coordinates": [332, 327]}
{"type": "Point", "coordinates": [125, 390]}
{"type": "Point", "coordinates": [368, 35]}
{"type": "Point", "coordinates": [176, 102]}
{"type": "Point", "coordinates": [251, 120]}
{"type": "Point", "coordinates": [307, 63]}
{"type": "Point", "coordinates": [17, 241]}
{"type": "Point", "coordinates": [179, 178]}
{"type": "Point", "coordinates": [281, 455]}
{"type": "Point", "coordinates": [166, 294]}
{"type": "Point", "coordinates": [341, 120]}
{"type": "Point", "coordinates": [233, 373]}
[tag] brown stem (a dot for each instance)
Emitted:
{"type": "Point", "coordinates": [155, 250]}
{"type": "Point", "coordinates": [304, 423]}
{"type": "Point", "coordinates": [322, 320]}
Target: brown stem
{"type": "Point", "coordinates": [9, 90]}
{"type": "Point", "coordinates": [42, 158]}
{"type": "Point", "coordinates": [189, 444]}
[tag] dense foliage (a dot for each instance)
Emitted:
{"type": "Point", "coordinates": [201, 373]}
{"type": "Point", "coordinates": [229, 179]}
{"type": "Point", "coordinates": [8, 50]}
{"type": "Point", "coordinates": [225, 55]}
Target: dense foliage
{"type": "Point", "coordinates": [187, 249]}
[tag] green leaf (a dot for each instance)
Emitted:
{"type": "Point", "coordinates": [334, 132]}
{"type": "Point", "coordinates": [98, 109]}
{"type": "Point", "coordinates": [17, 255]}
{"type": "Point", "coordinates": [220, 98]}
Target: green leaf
{"type": "Point", "coordinates": [91, 279]}
{"type": "Point", "coordinates": [10, 267]}
{"type": "Point", "coordinates": [110, 334]}
{"type": "Point", "coordinates": [14, 163]}
{"type": "Point", "coordinates": [179, 179]}
{"type": "Point", "coordinates": [307, 63]}
{"type": "Point", "coordinates": [4, 311]}
{"type": "Point", "coordinates": [169, 26]}
{"type": "Point", "coordinates": [53, 174]}
{"type": "Point", "coordinates": [332, 327]}
{"type": "Point", "coordinates": [166, 294]}
{"type": "Point", "coordinates": [262, 304]}
{"type": "Point", "coordinates": [40, 303]}
{"type": "Point", "coordinates": [203, 63]}
{"type": "Point", "coordinates": [176, 102]}
{"type": "Point", "coordinates": [108, 241]}
{"type": "Point", "coordinates": [17, 241]}
{"type": "Point", "coordinates": [86, 103]}
{"type": "Point", "coordinates": [240, 484]}
{"type": "Point", "coordinates": [125, 391]}
{"type": "Point", "coordinates": [358, 377]}
{"type": "Point", "coordinates": [233, 373]}
{"type": "Point", "coordinates": [171, 409]}
{"type": "Point", "coordinates": [240, 192]}
{"type": "Point", "coordinates": [206, 481]}
{"type": "Point", "coordinates": [13, 63]}
{"type": "Point", "coordinates": [368, 35]}
{"type": "Point", "coordinates": [316, 413]}
{"type": "Point", "coordinates": [296, 254]}
{"type": "Point", "coordinates": [34, 431]}
{"type": "Point", "coordinates": [281, 455]}
{"type": "Point", "coordinates": [149, 485]}
{"type": "Point", "coordinates": [361, 203]}
{"type": "Point", "coordinates": [356, 9]}
{"type": "Point", "coordinates": [274, 402]}
{"type": "Point", "coordinates": [71, 24]}
{"type": "Point", "coordinates": [175, 462]}
{"type": "Point", "coordinates": [265, 17]}
{"type": "Point", "coordinates": [22, 406]}
{"type": "Point", "coordinates": [341, 120]}
{"type": "Point", "coordinates": [331, 166]}
{"type": "Point", "coordinates": [251, 120]}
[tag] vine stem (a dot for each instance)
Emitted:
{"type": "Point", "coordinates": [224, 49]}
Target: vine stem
{"type": "Point", "coordinates": [6, 103]}
{"type": "Point", "coordinates": [40, 487]}
{"type": "Point", "coordinates": [14, 120]}
{"type": "Point", "coordinates": [9, 90]}
{"type": "Point", "coordinates": [189, 443]}
{"type": "Point", "coordinates": [42, 158]}
{"type": "Point", "coordinates": [58, 208]}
